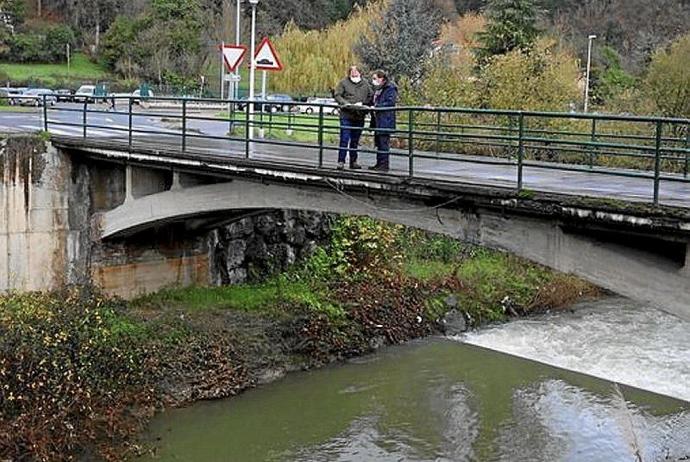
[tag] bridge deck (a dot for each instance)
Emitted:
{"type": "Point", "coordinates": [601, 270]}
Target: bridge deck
{"type": "Point", "coordinates": [542, 176]}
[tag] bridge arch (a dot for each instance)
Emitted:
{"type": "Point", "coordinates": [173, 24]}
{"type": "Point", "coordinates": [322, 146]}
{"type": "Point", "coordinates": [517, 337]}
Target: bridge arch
{"type": "Point", "coordinates": [629, 271]}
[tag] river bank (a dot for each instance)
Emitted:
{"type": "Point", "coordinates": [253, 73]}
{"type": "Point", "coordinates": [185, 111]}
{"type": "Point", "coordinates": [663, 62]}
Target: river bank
{"type": "Point", "coordinates": [83, 373]}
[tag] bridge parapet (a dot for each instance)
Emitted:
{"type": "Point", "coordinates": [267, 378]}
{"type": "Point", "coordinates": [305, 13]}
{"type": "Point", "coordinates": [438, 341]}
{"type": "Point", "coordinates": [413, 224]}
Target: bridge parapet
{"type": "Point", "coordinates": [648, 156]}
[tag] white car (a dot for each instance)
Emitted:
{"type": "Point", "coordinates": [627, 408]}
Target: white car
{"type": "Point", "coordinates": [36, 96]}
{"type": "Point", "coordinates": [85, 93]}
{"type": "Point", "coordinates": [311, 106]}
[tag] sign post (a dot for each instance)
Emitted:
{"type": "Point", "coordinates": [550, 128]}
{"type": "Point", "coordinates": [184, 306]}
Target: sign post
{"type": "Point", "coordinates": [266, 59]}
{"type": "Point", "coordinates": [222, 70]}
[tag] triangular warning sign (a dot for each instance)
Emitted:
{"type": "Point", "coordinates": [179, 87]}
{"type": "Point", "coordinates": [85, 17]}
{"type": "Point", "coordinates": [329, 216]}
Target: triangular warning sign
{"type": "Point", "coordinates": [233, 56]}
{"type": "Point", "coordinates": [266, 58]}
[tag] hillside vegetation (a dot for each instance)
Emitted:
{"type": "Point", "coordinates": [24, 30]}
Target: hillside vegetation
{"type": "Point", "coordinates": [445, 52]}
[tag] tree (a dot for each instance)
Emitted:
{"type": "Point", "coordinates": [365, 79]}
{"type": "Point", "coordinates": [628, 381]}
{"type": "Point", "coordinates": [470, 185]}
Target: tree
{"type": "Point", "coordinates": [56, 40]}
{"type": "Point", "coordinates": [15, 9]}
{"type": "Point", "coordinates": [512, 25]}
{"type": "Point", "coordinates": [633, 28]}
{"type": "Point", "coordinates": [402, 41]}
{"type": "Point", "coordinates": [668, 79]}
{"type": "Point", "coordinates": [609, 79]}
{"type": "Point", "coordinates": [164, 44]}
{"type": "Point", "coordinates": [119, 50]}
{"type": "Point", "coordinates": [544, 79]}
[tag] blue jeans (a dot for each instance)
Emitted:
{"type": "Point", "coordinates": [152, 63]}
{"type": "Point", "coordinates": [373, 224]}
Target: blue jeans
{"type": "Point", "coordinates": [383, 149]}
{"type": "Point", "coordinates": [350, 133]}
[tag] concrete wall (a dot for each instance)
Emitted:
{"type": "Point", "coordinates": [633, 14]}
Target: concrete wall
{"type": "Point", "coordinates": [47, 199]}
{"type": "Point", "coordinates": [42, 217]}
{"type": "Point", "coordinates": [49, 236]}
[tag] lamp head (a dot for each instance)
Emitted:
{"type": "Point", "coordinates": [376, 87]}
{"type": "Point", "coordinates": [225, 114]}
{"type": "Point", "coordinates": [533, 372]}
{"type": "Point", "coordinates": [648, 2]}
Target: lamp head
{"type": "Point", "coordinates": [254, 2]}
{"type": "Point", "coordinates": [591, 37]}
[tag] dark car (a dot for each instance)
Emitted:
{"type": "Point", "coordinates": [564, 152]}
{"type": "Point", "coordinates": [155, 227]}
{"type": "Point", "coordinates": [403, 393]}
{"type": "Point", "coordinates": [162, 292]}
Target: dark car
{"type": "Point", "coordinates": [272, 103]}
{"type": "Point", "coordinates": [64, 95]}
{"type": "Point", "coordinates": [280, 103]}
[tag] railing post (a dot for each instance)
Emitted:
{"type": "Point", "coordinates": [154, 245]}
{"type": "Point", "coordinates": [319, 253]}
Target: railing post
{"type": "Point", "coordinates": [657, 161]}
{"type": "Point", "coordinates": [521, 148]}
{"type": "Point", "coordinates": [184, 124]}
{"type": "Point", "coordinates": [410, 141]}
{"type": "Point", "coordinates": [45, 112]}
{"type": "Point", "coordinates": [129, 123]}
{"type": "Point", "coordinates": [687, 150]}
{"type": "Point", "coordinates": [86, 102]}
{"type": "Point", "coordinates": [593, 139]}
{"type": "Point", "coordinates": [320, 135]}
{"type": "Point", "coordinates": [246, 129]}
{"type": "Point", "coordinates": [438, 133]}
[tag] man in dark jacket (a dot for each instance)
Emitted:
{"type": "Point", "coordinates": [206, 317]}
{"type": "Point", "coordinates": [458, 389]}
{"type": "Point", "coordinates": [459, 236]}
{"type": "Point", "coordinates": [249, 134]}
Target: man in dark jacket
{"type": "Point", "coordinates": [353, 94]}
{"type": "Point", "coordinates": [383, 122]}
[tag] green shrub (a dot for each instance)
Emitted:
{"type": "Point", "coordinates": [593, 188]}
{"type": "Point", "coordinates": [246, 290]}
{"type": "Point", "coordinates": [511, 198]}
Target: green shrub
{"type": "Point", "coordinates": [68, 361]}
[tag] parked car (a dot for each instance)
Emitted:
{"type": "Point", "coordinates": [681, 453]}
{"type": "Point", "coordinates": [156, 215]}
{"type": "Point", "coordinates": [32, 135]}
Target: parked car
{"type": "Point", "coordinates": [272, 103]}
{"type": "Point", "coordinates": [64, 95]}
{"type": "Point", "coordinates": [11, 95]}
{"type": "Point", "coordinates": [85, 93]}
{"type": "Point", "coordinates": [312, 106]}
{"type": "Point", "coordinates": [137, 95]}
{"type": "Point", "coordinates": [36, 96]}
{"type": "Point", "coordinates": [279, 103]}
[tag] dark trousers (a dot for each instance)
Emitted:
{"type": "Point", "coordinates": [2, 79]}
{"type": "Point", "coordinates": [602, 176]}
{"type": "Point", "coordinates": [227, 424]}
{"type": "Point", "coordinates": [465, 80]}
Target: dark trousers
{"type": "Point", "coordinates": [350, 133]}
{"type": "Point", "coordinates": [383, 148]}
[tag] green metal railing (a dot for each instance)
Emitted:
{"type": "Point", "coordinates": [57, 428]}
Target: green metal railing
{"type": "Point", "coordinates": [657, 149]}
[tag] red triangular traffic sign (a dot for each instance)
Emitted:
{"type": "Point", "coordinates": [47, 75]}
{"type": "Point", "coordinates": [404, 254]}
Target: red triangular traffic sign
{"type": "Point", "coordinates": [233, 56]}
{"type": "Point", "coordinates": [266, 58]}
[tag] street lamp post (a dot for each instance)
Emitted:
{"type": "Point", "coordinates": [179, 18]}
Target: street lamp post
{"type": "Point", "coordinates": [238, 12]}
{"type": "Point", "coordinates": [252, 70]}
{"type": "Point", "coordinates": [589, 70]}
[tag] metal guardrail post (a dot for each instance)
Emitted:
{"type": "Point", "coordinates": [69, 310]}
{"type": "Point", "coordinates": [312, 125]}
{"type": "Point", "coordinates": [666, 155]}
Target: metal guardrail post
{"type": "Point", "coordinates": [86, 102]}
{"type": "Point", "coordinates": [270, 123]}
{"type": "Point", "coordinates": [246, 129]}
{"type": "Point", "coordinates": [438, 133]}
{"type": "Point", "coordinates": [45, 112]}
{"type": "Point", "coordinates": [593, 139]}
{"type": "Point", "coordinates": [410, 142]}
{"type": "Point", "coordinates": [129, 123]}
{"type": "Point", "coordinates": [687, 150]}
{"type": "Point", "coordinates": [521, 148]}
{"type": "Point", "coordinates": [321, 137]}
{"type": "Point", "coordinates": [184, 125]}
{"type": "Point", "coordinates": [657, 161]}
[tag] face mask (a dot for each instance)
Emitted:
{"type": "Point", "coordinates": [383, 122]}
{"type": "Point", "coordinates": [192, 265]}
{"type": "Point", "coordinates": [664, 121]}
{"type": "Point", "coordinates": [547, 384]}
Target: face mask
{"type": "Point", "coordinates": [356, 79]}
{"type": "Point", "coordinates": [376, 82]}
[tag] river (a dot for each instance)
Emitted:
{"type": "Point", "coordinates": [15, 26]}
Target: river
{"type": "Point", "coordinates": [609, 382]}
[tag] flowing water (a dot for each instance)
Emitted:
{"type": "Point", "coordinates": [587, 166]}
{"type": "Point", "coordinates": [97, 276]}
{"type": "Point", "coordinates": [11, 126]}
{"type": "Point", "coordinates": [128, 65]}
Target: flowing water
{"type": "Point", "coordinates": [466, 399]}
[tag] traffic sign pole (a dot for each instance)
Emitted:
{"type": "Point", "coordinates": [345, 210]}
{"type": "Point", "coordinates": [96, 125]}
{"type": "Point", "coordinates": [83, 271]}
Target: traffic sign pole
{"type": "Point", "coordinates": [222, 70]}
{"type": "Point", "coordinates": [263, 98]}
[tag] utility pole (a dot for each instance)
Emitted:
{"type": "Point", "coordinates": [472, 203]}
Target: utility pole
{"type": "Point", "coordinates": [252, 71]}
{"type": "Point", "coordinates": [589, 69]}
{"type": "Point", "coordinates": [68, 60]}
{"type": "Point", "coordinates": [236, 85]}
